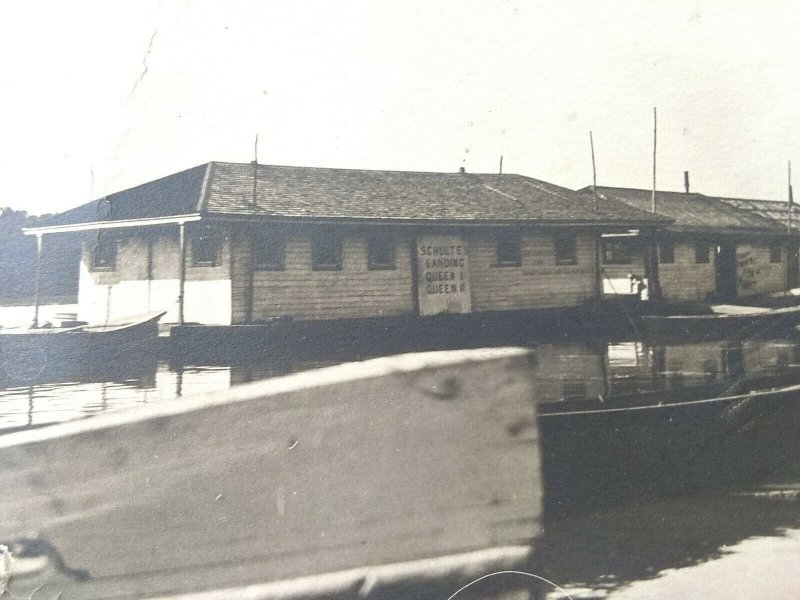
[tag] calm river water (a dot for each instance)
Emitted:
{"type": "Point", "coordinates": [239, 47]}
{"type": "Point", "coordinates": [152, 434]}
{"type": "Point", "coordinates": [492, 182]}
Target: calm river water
{"type": "Point", "coordinates": [732, 543]}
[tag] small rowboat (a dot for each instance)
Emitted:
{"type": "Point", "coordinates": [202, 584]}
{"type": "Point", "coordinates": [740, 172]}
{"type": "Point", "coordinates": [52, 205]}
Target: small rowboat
{"type": "Point", "coordinates": [728, 318]}
{"type": "Point", "coordinates": [27, 354]}
{"type": "Point", "coordinates": [654, 444]}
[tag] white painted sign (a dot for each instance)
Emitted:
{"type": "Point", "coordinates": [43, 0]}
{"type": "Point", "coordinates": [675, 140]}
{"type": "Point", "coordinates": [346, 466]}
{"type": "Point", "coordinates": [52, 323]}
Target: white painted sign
{"type": "Point", "coordinates": [443, 271]}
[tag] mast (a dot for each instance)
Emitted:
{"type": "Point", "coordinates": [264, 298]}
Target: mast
{"type": "Point", "coordinates": [655, 127]}
{"type": "Point", "coordinates": [598, 274]}
{"type": "Point", "coordinates": [791, 198]}
{"type": "Point", "coordinates": [594, 172]}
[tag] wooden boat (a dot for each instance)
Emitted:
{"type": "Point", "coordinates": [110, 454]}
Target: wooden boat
{"type": "Point", "coordinates": [397, 477]}
{"type": "Point", "coordinates": [723, 317]}
{"type": "Point", "coordinates": [27, 354]}
{"type": "Point", "coordinates": [665, 442]}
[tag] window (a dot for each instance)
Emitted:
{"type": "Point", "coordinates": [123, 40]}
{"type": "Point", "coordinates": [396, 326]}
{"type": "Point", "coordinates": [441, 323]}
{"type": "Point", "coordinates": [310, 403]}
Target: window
{"type": "Point", "coordinates": [666, 252]}
{"type": "Point", "coordinates": [326, 252]}
{"type": "Point", "coordinates": [566, 249]}
{"type": "Point", "coordinates": [507, 250]}
{"type": "Point", "coordinates": [104, 253]}
{"type": "Point", "coordinates": [618, 251]}
{"type": "Point", "coordinates": [701, 250]}
{"type": "Point", "coordinates": [380, 253]}
{"type": "Point", "coordinates": [205, 248]}
{"type": "Point", "coordinates": [270, 251]}
{"type": "Point", "coordinates": [775, 252]}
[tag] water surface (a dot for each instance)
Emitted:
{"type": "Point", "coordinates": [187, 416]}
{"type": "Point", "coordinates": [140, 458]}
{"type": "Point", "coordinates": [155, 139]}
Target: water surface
{"type": "Point", "coordinates": [741, 542]}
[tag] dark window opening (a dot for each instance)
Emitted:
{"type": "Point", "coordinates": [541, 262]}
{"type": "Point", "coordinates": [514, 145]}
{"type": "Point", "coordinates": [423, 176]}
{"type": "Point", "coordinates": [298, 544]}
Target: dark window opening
{"type": "Point", "coordinates": [104, 253]}
{"type": "Point", "coordinates": [205, 249]}
{"type": "Point", "coordinates": [666, 252]}
{"type": "Point", "coordinates": [326, 252]}
{"type": "Point", "coordinates": [508, 250]}
{"type": "Point", "coordinates": [270, 252]}
{"type": "Point", "coordinates": [618, 251]}
{"type": "Point", "coordinates": [701, 252]}
{"type": "Point", "coordinates": [566, 249]}
{"type": "Point", "coordinates": [775, 252]}
{"type": "Point", "coordinates": [380, 253]}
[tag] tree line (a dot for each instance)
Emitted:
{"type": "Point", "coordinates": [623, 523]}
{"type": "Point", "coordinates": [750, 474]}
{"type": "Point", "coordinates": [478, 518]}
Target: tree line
{"type": "Point", "coordinates": [60, 260]}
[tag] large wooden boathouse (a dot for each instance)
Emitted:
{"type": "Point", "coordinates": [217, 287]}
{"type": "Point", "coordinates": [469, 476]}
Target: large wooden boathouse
{"type": "Point", "coordinates": [715, 248]}
{"type": "Point", "coordinates": [227, 243]}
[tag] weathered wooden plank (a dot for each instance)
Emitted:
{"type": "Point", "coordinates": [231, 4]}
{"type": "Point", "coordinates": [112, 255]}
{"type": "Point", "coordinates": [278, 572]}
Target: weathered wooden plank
{"type": "Point", "coordinates": [385, 461]}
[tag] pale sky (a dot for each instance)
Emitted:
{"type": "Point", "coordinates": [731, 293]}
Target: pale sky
{"type": "Point", "coordinates": [86, 110]}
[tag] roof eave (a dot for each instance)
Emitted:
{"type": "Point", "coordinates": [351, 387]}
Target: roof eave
{"type": "Point", "coordinates": [725, 231]}
{"type": "Point", "coordinates": [588, 223]}
{"type": "Point", "coordinates": [119, 224]}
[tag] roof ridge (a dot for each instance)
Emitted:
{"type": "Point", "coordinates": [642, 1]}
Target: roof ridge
{"type": "Point", "coordinates": [202, 200]}
{"type": "Point", "coordinates": [536, 184]}
{"type": "Point", "coordinates": [140, 185]}
{"type": "Point", "coordinates": [509, 196]}
{"type": "Point", "coordinates": [680, 193]}
{"type": "Point", "coordinates": [361, 170]}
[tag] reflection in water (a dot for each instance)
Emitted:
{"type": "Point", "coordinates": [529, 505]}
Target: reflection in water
{"type": "Point", "coordinates": [614, 551]}
{"type": "Point", "coordinates": [564, 372]}
{"type": "Point", "coordinates": [609, 550]}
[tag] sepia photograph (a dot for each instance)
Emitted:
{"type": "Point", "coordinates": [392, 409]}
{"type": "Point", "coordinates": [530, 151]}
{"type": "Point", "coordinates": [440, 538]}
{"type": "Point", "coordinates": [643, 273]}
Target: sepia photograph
{"type": "Point", "coordinates": [382, 300]}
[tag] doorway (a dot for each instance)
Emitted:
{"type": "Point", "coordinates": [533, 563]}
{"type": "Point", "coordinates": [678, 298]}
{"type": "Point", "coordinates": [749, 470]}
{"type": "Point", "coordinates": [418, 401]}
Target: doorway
{"type": "Point", "coordinates": [725, 270]}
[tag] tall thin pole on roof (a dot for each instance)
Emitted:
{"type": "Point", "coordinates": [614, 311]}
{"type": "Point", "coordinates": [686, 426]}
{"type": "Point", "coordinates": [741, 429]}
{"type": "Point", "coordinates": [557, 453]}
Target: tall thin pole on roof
{"type": "Point", "coordinates": [594, 172]}
{"type": "Point", "coordinates": [792, 249]}
{"type": "Point", "coordinates": [598, 274]}
{"type": "Point", "coordinates": [651, 262]}
{"type": "Point", "coordinates": [255, 171]}
{"type": "Point", "coordinates": [791, 197]}
{"type": "Point", "coordinates": [501, 164]}
{"type": "Point", "coordinates": [655, 132]}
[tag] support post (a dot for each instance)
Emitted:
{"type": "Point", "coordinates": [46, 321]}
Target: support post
{"type": "Point", "coordinates": [182, 271]}
{"type": "Point", "coordinates": [598, 269]}
{"type": "Point", "coordinates": [38, 280]}
{"type": "Point", "coordinates": [250, 264]}
{"type": "Point", "coordinates": [651, 268]}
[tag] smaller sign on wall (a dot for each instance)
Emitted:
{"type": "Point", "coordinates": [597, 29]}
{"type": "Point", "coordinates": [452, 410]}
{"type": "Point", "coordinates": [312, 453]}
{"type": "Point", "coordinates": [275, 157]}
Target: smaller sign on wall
{"type": "Point", "coordinates": [443, 271]}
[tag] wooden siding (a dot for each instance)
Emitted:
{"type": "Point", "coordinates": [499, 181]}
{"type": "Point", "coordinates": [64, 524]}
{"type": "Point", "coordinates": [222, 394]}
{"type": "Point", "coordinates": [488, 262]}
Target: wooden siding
{"type": "Point", "coordinates": [352, 292]}
{"type": "Point", "coordinates": [241, 248]}
{"type": "Point", "coordinates": [126, 290]}
{"type": "Point", "coordinates": [219, 294]}
{"type": "Point", "coordinates": [690, 281]}
{"type": "Point", "coordinates": [686, 280]}
{"type": "Point", "coordinates": [755, 273]}
{"type": "Point", "coordinates": [538, 282]}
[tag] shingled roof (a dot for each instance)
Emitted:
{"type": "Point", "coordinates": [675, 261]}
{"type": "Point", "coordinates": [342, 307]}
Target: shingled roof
{"type": "Point", "coordinates": [220, 189]}
{"type": "Point", "coordinates": [770, 209]}
{"type": "Point", "coordinates": [173, 195]}
{"type": "Point", "coordinates": [694, 213]}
